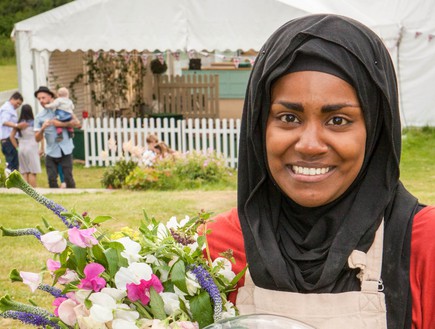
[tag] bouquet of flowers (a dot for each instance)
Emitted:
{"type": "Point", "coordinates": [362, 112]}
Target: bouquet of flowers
{"type": "Point", "coordinates": [158, 276]}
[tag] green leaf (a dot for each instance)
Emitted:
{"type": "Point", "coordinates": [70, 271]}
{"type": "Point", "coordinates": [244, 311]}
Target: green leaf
{"type": "Point", "coordinates": [80, 256]}
{"type": "Point", "coordinates": [101, 219]}
{"type": "Point", "coordinates": [238, 276]}
{"type": "Point", "coordinates": [178, 275]}
{"type": "Point", "coordinates": [114, 260]}
{"type": "Point", "coordinates": [99, 256]}
{"type": "Point", "coordinates": [202, 310]}
{"type": "Point", "coordinates": [157, 305]}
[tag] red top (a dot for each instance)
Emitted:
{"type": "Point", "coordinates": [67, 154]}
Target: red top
{"type": "Point", "coordinates": [227, 234]}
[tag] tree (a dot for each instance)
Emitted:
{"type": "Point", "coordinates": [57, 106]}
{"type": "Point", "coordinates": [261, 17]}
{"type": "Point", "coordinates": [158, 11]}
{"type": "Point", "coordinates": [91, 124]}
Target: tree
{"type": "Point", "coordinates": [12, 12]}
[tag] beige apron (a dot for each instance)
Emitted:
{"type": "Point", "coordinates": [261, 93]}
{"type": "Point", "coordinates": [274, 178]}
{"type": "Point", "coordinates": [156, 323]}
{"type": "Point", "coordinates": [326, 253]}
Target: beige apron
{"type": "Point", "coordinates": [355, 309]}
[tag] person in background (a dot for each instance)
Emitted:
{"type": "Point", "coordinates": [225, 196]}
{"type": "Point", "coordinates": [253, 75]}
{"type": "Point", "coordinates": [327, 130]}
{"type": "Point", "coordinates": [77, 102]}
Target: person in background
{"type": "Point", "coordinates": [163, 151]}
{"type": "Point", "coordinates": [151, 141]}
{"type": "Point", "coordinates": [8, 121]}
{"type": "Point", "coordinates": [63, 109]}
{"type": "Point", "coordinates": [61, 176]}
{"type": "Point", "coordinates": [57, 152]}
{"type": "Point", "coordinates": [28, 149]}
{"type": "Point", "coordinates": [331, 236]}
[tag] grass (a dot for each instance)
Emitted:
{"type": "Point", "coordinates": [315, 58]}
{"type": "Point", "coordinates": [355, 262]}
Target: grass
{"type": "Point", "coordinates": [418, 165]}
{"type": "Point", "coordinates": [84, 177]}
{"type": "Point", "coordinates": [8, 76]}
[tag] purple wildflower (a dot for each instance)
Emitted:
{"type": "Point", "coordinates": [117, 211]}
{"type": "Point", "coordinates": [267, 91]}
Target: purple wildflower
{"type": "Point", "coordinates": [206, 282]}
{"type": "Point", "coordinates": [181, 237]}
{"type": "Point", "coordinates": [30, 318]}
{"type": "Point", "coordinates": [51, 290]}
{"type": "Point", "coordinates": [20, 232]}
{"type": "Point", "coordinates": [16, 180]}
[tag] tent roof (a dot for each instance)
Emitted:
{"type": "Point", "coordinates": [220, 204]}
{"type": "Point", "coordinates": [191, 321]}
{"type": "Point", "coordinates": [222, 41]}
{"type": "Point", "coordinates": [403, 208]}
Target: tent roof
{"type": "Point", "coordinates": [157, 25]}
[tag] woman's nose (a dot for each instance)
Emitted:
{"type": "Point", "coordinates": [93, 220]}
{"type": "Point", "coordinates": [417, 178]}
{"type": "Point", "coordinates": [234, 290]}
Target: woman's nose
{"type": "Point", "coordinates": [311, 141]}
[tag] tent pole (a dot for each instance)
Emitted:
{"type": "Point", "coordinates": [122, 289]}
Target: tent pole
{"type": "Point", "coordinates": [398, 44]}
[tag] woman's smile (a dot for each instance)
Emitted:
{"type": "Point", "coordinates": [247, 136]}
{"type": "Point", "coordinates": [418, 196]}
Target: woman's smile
{"type": "Point", "coordinates": [315, 136]}
{"type": "Point", "coordinates": [309, 174]}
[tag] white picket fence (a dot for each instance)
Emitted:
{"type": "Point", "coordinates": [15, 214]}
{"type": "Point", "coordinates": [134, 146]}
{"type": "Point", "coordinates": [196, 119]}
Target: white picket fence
{"type": "Point", "coordinates": [220, 135]}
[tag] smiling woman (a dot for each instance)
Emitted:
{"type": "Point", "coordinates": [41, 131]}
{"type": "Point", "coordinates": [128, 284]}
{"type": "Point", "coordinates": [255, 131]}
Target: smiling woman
{"type": "Point", "coordinates": [315, 136]}
{"type": "Point", "coordinates": [323, 220]}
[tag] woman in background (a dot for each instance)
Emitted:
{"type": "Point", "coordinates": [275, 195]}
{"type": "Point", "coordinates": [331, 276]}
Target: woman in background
{"type": "Point", "coordinates": [28, 149]}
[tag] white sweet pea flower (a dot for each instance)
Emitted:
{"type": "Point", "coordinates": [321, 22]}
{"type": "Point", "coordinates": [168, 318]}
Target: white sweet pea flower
{"type": "Point", "coordinates": [162, 231]}
{"type": "Point", "coordinates": [132, 274]}
{"type": "Point", "coordinates": [102, 307]}
{"type": "Point", "coordinates": [131, 251]}
{"type": "Point", "coordinates": [230, 310]}
{"type": "Point", "coordinates": [85, 321]}
{"type": "Point", "coordinates": [81, 295]}
{"type": "Point", "coordinates": [33, 280]}
{"type": "Point", "coordinates": [54, 241]}
{"type": "Point", "coordinates": [152, 324]}
{"type": "Point", "coordinates": [191, 283]}
{"type": "Point", "coordinates": [226, 268]}
{"type": "Point", "coordinates": [123, 324]}
{"type": "Point", "coordinates": [171, 302]}
{"type": "Point", "coordinates": [105, 307]}
{"type": "Point", "coordinates": [173, 223]}
{"type": "Point", "coordinates": [124, 312]}
{"type": "Point", "coordinates": [116, 294]}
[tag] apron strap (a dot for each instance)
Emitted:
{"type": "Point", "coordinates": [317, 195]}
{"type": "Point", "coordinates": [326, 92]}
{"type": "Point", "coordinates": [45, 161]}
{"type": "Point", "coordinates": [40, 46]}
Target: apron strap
{"type": "Point", "coordinates": [370, 263]}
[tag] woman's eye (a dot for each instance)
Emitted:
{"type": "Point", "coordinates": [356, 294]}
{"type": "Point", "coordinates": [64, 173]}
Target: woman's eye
{"type": "Point", "coordinates": [289, 118]}
{"type": "Point", "coordinates": [338, 121]}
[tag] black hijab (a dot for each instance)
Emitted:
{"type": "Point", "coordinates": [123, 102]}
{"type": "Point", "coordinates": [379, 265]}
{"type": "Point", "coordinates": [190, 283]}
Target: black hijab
{"type": "Point", "coordinates": [300, 249]}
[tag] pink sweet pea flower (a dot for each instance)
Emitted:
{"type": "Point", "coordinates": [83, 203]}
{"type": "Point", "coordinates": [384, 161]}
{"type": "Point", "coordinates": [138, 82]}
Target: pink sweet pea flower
{"type": "Point", "coordinates": [92, 281]}
{"type": "Point", "coordinates": [187, 325]}
{"type": "Point", "coordinates": [33, 280]}
{"type": "Point", "coordinates": [69, 275]}
{"type": "Point", "coordinates": [66, 313]}
{"type": "Point", "coordinates": [82, 238]}
{"type": "Point", "coordinates": [54, 241]}
{"type": "Point", "coordinates": [52, 265]}
{"type": "Point", "coordinates": [57, 302]}
{"type": "Point", "coordinates": [142, 290]}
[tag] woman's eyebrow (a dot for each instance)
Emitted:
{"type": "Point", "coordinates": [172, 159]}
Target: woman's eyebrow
{"type": "Point", "coordinates": [325, 109]}
{"type": "Point", "coordinates": [291, 105]}
{"type": "Point", "coordinates": [337, 107]}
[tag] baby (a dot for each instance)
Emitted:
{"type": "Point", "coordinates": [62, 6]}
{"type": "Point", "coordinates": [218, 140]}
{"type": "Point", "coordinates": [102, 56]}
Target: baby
{"type": "Point", "coordinates": [64, 108]}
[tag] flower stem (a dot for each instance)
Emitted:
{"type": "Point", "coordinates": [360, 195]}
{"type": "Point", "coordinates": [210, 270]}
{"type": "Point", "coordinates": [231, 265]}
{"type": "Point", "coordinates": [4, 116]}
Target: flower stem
{"type": "Point", "coordinates": [16, 180]}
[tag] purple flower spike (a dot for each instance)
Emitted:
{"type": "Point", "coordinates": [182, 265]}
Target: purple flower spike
{"type": "Point", "coordinates": [206, 282]}
{"type": "Point", "coordinates": [30, 318]}
{"type": "Point", "coordinates": [16, 180]}
{"type": "Point", "coordinates": [20, 232]}
{"type": "Point", "coordinates": [51, 290]}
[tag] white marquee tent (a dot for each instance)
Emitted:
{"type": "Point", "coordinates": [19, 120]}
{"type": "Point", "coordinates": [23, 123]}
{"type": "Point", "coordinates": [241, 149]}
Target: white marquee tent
{"type": "Point", "coordinates": [407, 28]}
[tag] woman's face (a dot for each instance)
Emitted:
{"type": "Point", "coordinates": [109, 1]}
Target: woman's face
{"type": "Point", "coordinates": [315, 136]}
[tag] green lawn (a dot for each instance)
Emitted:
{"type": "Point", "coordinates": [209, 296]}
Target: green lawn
{"type": "Point", "coordinates": [8, 77]}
